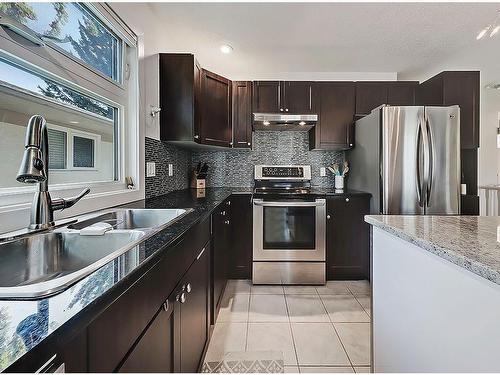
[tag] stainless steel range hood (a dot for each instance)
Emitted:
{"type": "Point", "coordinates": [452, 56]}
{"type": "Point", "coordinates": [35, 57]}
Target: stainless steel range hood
{"type": "Point", "coordinates": [282, 121]}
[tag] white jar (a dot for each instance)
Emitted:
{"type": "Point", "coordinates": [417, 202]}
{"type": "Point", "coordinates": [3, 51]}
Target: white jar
{"type": "Point", "coordinates": [339, 182]}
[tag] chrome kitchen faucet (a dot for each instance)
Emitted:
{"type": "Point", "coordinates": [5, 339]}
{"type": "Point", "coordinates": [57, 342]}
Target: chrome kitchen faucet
{"type": "Point", "coordinates": [35, 169]}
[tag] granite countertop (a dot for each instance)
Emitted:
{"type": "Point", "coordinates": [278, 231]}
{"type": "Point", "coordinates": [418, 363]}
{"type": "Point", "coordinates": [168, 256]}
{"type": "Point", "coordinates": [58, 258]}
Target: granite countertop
{"type": "Point", "coordinates": [26, 324]}
{"type": "Point", "coordinates": [470, 242]}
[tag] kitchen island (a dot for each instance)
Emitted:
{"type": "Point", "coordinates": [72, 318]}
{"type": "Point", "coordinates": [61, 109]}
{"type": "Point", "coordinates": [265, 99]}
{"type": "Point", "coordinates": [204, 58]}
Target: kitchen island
{"type": "Point", "coordinates": [436, 293]}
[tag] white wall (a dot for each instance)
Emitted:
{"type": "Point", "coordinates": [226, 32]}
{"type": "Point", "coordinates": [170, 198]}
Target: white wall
{"type": "Point", "coordinates": [145, 23]}
{"type": "Point", "coordinates": [484, 57]}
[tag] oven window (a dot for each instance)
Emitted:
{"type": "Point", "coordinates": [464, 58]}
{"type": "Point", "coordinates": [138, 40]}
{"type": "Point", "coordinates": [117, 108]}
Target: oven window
{"type": "Point", "coordinates": [289, 228]}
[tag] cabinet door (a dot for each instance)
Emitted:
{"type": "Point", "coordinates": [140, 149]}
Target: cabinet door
{"type": "Point", "coordinates": [401, 93]}
{"type": "Point", "coordinates": [220, 242]}
{"type": "Point", "coordinates": [197, 102]}
{"type": "Point", "coordinates": [267, 96]}
{"type": "Point", "coordinates": [216, 115]}
{"type": "Point", "coordinates": [335, 104]}
{"type": "Point", "coordinates": [462, 88]}
{"type": "Point", "coordinates": [158, 348]}
{"type": "Point", "coordinates": [241, 224]}
{"type": "Point", "coordinates": [369, 95]}
{"type": "Point", "coordinates": [348, 238]}
{"type": "Point", "coordinates": [242, 114]}
{"type": "Point", "coordinates": [194, 312]}
{"type": "Point", "coordinates": [298, 97]}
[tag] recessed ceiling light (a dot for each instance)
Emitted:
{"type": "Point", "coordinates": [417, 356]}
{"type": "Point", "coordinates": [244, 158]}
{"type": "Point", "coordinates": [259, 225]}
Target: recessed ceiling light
{"type": "Point", "coordinates": [226, 48]}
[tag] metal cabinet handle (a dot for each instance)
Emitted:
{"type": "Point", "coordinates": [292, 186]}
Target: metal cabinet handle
{"type": "Point", "coordinates": [328, 217]}
{"type": "Point", "coordinates": [200, 254]}
{"type": "Point", "coordinates": [196, 136]}
{"type": "Point", "coordinates": [228, 203]}
{"type": "Point", "coordinates": [249, 143]}
{"type": "Point", "coordinates": [347, 199]}
{"type": "Point", "coordinates": [286, 109]}
{"type": "Point", "coordinates": [226, 222]}
{"type": "Point", "coordinates": [181, 297]}
{"type": "Point", "coordinates": [165, 306]}
{"type": "Point", "coordinates": [223, 213]}
{"type": "Point", "coordinates": [188, 288]}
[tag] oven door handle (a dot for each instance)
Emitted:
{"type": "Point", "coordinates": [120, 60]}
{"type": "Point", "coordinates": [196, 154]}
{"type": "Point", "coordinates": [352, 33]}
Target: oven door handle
{"type": "Point", "coordinates": [288, 204]}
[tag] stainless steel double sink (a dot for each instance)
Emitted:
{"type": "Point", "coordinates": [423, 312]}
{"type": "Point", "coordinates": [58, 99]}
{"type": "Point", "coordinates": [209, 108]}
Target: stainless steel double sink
{"type": "Point", "coordinates": [43, 264]}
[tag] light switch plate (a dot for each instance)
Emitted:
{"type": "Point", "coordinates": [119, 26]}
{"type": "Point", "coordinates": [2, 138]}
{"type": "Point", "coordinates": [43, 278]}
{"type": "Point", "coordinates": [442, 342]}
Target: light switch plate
{"type": "Point", "coordinates": [150, 169]}
{"type": "Point", "coordinates": [322, 171]}
{"type": "Point", "coordinates": [170, 169]}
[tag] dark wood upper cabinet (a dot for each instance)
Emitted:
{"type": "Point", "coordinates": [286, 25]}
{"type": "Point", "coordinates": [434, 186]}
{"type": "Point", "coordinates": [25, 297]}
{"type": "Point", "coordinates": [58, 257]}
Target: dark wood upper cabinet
{"type": "Point", "coordinates": [456, 88]}
{"type": "Point", "coordinates": [179, 78]}
{"type": "Point", "coordinates": [282, 96]}
{"type": "Point", "coordinates": [334, 102]}
{"type": "Point", "coordinates": [215, 125]}
{"type": "Point", "coordinates": [297, 97]}
{"type": "Point", "coordinates": [267, 96]}
{"type": "Point", "coordinates": [369, 95]}
{"type": "Point", "coordinates": [242, 114]}
{"type": "Point", "coordinates": [195, 103]}
{"type": "Point", "coordinates": [401, 93]}
{"type": "Point", "coordinates": [348, 238]}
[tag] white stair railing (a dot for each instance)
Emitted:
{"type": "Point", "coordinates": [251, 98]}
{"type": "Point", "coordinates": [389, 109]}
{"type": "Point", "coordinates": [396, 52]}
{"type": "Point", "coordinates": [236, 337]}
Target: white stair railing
{"type": "Point", "coordinates": [489, 200]}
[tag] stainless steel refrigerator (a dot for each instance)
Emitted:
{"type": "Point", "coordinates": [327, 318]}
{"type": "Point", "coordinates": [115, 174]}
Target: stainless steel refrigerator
{"type": "Point", "coordinates": [408, 158]}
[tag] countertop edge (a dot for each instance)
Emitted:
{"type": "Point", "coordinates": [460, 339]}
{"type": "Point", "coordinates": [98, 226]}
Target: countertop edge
{"type": "Point", "coordinates": [462, 261]}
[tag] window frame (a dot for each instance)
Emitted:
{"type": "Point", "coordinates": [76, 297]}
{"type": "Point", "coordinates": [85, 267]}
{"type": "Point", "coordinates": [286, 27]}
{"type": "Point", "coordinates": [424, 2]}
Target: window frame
{"type": "Point", "coordinates": [53, 64]}
{"type": "Point", "coordinates": [70, 134]}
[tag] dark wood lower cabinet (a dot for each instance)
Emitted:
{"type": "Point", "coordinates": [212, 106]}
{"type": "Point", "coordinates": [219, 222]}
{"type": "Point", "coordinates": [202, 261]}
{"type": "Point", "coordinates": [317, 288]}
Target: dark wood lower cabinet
{"type": "Point", "coordinates": [193, 298]}
{"type": "Point", "coordinates": [221, 237]}
{"type": "Point", "coordinates": [157, 349]}
{"type": "Point", "coordinates": [348, 238]}
{"type": "Point", "coordinates": [241, 226]}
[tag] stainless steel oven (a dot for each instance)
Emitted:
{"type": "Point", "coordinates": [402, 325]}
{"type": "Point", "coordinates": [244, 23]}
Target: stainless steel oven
{"type": "Point", "coordinates": [289, 234]}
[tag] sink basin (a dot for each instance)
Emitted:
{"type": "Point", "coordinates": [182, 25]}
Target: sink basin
{"type": "Point", "coordinates": [141, 218]}
{"type": "Point", "coordinates": [44, 264]}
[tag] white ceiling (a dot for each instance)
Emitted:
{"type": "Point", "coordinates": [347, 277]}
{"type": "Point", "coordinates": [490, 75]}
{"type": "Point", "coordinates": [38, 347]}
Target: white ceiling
{"type": "Point", "coordinates": [271, 40]}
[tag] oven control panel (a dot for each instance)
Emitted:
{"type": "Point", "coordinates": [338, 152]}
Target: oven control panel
{"type": "Point", "coordinates": [282, 172]}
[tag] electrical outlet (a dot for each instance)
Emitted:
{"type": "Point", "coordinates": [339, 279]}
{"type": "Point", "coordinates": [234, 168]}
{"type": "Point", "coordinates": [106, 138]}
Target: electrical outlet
{"type": "Point", "coordinates": [170, 169]}
{"type": "Point", "coordinates": [150, 169]}
{"type": "Point", "coordinates": [322, 172]}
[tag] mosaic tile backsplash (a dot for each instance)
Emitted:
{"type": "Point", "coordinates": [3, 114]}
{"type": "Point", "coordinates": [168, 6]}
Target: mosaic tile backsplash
{"type": "Point", "coordinates": [163, 154]}
{"type": "Point", "coordinates": [235, 167]}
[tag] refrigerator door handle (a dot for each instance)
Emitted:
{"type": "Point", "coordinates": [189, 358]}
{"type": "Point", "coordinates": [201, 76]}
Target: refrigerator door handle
{"type": "Point", "coordinates": [430, 160]}
{"type": "Point", "coordinates": [418, 169]}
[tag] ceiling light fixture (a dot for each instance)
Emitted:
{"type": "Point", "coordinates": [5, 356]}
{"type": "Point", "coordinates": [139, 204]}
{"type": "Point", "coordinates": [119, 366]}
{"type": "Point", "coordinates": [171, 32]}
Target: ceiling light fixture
{"type": "Point", "coordinates": [493, 28]}
{"type": "Point", "coordinates": [226, 48]}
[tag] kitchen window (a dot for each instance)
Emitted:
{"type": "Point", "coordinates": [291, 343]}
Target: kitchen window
{"type": "Point", "coordinates": [77, 65]}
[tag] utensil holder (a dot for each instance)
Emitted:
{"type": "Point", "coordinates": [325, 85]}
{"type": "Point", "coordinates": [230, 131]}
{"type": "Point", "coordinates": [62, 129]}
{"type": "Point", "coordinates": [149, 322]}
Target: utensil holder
{"type": "Point", "coordinates": [339, 182]}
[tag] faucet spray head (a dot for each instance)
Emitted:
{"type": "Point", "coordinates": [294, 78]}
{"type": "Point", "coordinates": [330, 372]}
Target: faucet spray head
{"type": "Point", "coordinates": [32, 168]}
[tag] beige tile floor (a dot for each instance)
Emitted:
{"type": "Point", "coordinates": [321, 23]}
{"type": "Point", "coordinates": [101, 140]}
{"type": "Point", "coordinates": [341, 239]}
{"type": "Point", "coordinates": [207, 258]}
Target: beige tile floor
{"type": "Point", "coordinates": [318, 329]}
